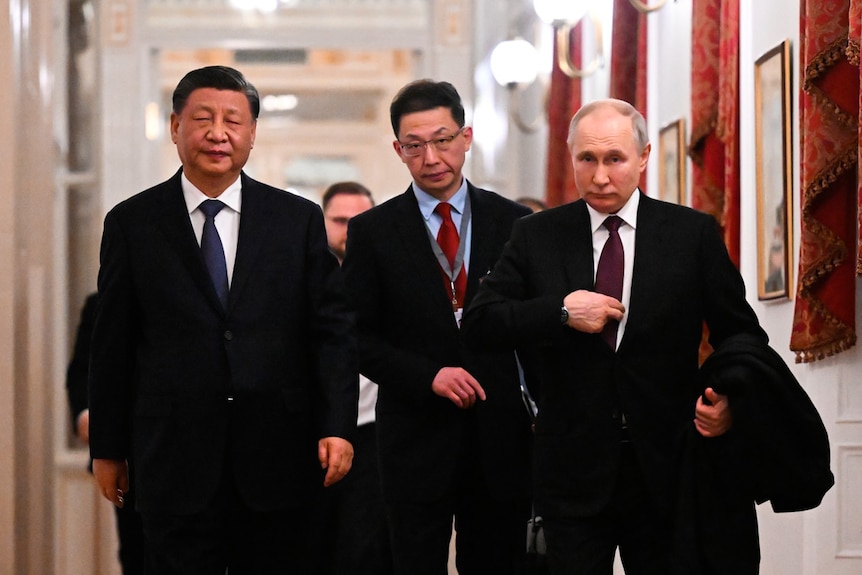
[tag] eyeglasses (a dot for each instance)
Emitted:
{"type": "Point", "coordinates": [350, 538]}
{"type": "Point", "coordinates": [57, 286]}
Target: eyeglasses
{"type": "Point", "coordinates": [414, 149]}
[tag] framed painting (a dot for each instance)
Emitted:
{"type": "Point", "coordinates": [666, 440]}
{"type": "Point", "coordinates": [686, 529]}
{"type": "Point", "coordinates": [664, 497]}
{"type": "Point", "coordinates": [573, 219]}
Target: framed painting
{"type": "Point", "coordinates": [671, 166]}
{"type": "Point", "coordinates": [774, 178]}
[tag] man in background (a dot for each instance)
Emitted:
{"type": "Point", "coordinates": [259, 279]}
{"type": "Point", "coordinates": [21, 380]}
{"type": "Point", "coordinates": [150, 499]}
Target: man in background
{"type": "Point", "coordinates": [130, 533]}
{"type": "Point", "coordinates": [453, 435]}
{"type": "Point", "coordinates": [352, 512]}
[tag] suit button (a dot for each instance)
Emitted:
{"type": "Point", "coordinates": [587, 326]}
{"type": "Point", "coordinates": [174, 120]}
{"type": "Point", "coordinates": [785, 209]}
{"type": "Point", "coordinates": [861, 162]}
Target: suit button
{"type": "Point", "coordinates": [228, 335]}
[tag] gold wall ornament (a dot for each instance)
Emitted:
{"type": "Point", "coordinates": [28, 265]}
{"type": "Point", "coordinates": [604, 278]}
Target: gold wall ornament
{"type": "Point", "coordinates": [564, 51]}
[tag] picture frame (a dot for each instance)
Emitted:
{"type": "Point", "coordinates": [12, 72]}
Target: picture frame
{"type": "Point", "coordinates": [774, 172]}
{"type": "Point", "coordinates": [671, 165]}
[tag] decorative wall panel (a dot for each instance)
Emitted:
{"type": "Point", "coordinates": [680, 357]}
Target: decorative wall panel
{"type": "Point", "coordinates": [849, 485]}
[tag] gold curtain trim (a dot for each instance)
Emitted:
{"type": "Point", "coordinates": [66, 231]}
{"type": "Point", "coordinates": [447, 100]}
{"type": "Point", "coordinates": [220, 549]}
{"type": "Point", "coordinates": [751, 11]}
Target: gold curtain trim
{"type": "Point", "coordinates": [827, 349]}
{"type": "Point", "coordinates": [844, 162]}
{"type": "Point", "coordinates": [838, 254]}
{"type": "Point", "coordinates": [818, 270]}
{"type": "Point", "coordinates": [822, 62]}
{"type": "Point", "coordinates": [853, 51]}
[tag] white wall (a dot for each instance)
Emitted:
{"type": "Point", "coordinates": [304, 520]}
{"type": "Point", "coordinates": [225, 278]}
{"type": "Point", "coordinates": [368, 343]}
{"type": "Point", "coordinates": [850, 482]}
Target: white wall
{"type": "Point", "coordinates": [827, 540]}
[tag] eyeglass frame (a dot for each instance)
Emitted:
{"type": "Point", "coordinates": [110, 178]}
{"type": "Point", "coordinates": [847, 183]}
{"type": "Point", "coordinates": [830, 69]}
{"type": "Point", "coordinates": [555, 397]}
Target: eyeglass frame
{"type": "Point", "coordinates": [422, 146]}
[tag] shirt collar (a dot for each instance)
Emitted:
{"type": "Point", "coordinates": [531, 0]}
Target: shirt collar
{"type": "Point", "coordinates": [427, 202]}
{"type": "Point", "coordinates": [628, 213]}
{"type": "Point", "coordinates": [194, 197]}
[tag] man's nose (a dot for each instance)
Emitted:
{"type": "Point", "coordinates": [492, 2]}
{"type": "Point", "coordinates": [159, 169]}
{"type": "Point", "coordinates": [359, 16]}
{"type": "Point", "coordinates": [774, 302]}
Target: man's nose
{"type": "Point", "coordinates": [600, 176]}
{"type": "Point", "coordinates": [217, 131]}
{"type": "Point", "coordinates": [430, 153]}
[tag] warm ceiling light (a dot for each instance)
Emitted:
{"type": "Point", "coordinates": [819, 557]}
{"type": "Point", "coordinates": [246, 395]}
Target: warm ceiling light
{"type": "Point", "coordinates": [514, 62]}
{"type": "Point", "coordinates": [279, 102]}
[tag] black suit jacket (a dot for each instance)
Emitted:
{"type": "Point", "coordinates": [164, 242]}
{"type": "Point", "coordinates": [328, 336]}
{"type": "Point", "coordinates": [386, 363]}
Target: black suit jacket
{"type": "Point", "coordinates": [682, 278]}
{"type": "Point", "coordinates": [79, 364]}
{"type": "Point", "coordinates": [196, 391]}
{"type": "Point", "coordinates": [408, 333]}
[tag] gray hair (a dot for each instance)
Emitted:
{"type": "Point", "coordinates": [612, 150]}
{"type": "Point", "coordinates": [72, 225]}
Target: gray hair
{"type": "Point", "coordinates": [639, 127]}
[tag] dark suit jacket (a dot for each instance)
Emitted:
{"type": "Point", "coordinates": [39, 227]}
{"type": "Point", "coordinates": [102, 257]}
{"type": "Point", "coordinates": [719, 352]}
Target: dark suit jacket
{"type": "Point", "coordinates": [79, 364]}
{"type": "Point", "coordinates": [197, 392]}
{"type": "Point", "coordinates": [682, 277]}
{"type": "Point", "coordinates": [777, 450]}
{"type": "Point", "coordinates": [408, 333]}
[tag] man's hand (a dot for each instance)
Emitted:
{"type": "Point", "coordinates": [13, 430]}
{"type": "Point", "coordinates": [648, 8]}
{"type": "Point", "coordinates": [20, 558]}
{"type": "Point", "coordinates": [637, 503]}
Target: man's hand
{"type": "Point", "coordinates": [712, 420]}
{"type": "Point", "coordinates": [112, 477]}
{"type": "Point", "coordinates": [82, 426]}
{"type": "Point", "coordinates": [336, 457]}
{"type": "Point", "coordinates": [589, 311]}
{"type": "Point", "coordinates": [457, 385]}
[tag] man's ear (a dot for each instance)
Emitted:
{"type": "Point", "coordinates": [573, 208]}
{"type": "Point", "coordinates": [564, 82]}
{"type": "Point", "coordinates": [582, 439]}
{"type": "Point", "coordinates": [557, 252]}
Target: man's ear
{"type": "Point", "coordinates": [645, 156]}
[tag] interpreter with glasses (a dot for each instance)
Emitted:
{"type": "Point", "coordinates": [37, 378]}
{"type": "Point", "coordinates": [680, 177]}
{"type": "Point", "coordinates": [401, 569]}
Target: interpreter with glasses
{"type": "Point", "coordinates": [453, 435]}
{"type": "Point", "coordinates": [441, 144]}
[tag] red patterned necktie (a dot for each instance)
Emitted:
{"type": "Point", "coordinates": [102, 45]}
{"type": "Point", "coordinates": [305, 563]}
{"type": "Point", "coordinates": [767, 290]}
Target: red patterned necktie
{"type": "Point", "coordinates": [447, 239]}
{"type": "Point", "coordinates": [609, 275]}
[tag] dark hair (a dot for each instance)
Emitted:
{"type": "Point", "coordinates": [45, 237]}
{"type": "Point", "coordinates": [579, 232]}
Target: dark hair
{"type": "Point", "coordinates": [422, 95]}
{"type": "Point", "coordinates": [347, 188]}
{"type": "Point", "coordinates": [220, 78]}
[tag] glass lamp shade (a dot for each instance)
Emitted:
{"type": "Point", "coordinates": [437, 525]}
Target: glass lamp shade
{"type": "Point", "coordinates": [558, 12]}
{"type": "Point", "coordinates": [514, 62]}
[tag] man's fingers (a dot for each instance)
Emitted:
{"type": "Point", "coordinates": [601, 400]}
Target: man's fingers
{"type": "Point", "coordinates": [336, 456]}
{"type": "Point", "coordinates": [464, 393]}
{"type": "Point", "coordinates": [480, 393]}
{"type": "Point", "coordinates": [112, 476]}
{"type": "Point", "coordinates": [333, 473]}
{"type": "Point", "coordinates": [337, 469]}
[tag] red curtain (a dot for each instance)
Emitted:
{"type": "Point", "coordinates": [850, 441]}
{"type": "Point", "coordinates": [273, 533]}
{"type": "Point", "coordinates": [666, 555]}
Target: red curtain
{"type": "Point", "coordinates": [629, 59]}
{"type": "Point", "coordinates": [824, 318]}
{"type": "Point", "coordinates": [629, 55]}
{"type": "Point", "coordinates": [714, 147]}
{"type": "Point", "coordinates": [853, 47]}
{"type": "Point", "coordinates": [564, 99]}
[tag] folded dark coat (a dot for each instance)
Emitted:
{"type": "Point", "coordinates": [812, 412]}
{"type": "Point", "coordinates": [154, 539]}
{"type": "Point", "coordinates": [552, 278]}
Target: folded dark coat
{"type": "Point", "coordinates": [777, 451]}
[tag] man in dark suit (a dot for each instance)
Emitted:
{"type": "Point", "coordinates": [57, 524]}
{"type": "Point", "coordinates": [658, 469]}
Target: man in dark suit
{"type": "Point", "coordinates": [223, 351]}
{"type": "Point", "coordinates": [352, 515]}
{"type": "Point", "coordinates": [612, 412]}
{"type": "Point", "coordinates": [453, 435]}
{"type": "Point", "coordinates": [130, 533]}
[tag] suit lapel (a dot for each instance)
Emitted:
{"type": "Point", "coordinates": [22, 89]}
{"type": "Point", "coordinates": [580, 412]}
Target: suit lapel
{"type": "Point", "coordinates": [254, 225]}
{"type": "Point", "coordinates": [485, 223]}
{"type": "Point", "coordinates": [649, 237]}
{"type": "Point", "coordinates": [575, 240]}
{"type": "Point", "coordinates": [173, 218]}
{"type": "Point", "coordinates": [416, 242]}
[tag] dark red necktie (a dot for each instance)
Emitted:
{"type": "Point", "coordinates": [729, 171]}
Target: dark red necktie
{"type": "Point", "coordinates": [609, 275]}
{"type": "Point", "coordinates": [447, 239]}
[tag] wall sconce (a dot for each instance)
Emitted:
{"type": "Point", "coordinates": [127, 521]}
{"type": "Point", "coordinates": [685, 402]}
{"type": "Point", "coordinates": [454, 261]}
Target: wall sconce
{"type": "Point", "coordinates": [563, 15]}
{"type": "Point", "coordinates": [515, 65]}
{"type": "Point", "coordinates": [645, 8]}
